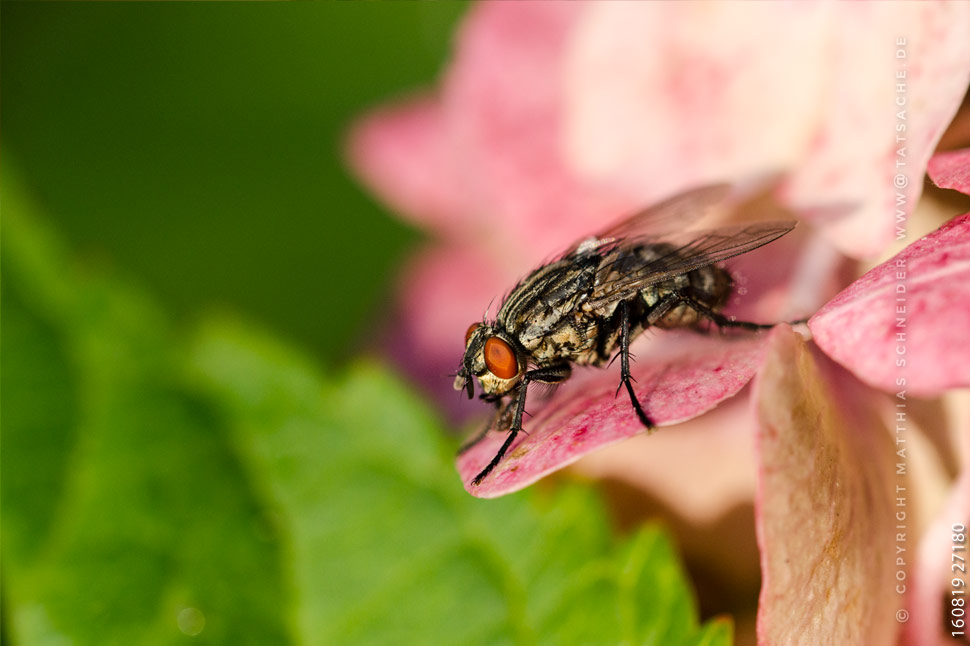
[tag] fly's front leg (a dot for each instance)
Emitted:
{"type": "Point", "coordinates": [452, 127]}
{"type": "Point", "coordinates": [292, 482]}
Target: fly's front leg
{"type": "Point", "coordinates": [550, 375]}
{"type": "Point", "coordinates": [625, 378]}
{"type": "Point", "coordinates": [495, 421]}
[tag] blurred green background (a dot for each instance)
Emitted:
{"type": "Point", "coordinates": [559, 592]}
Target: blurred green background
{"type": "Point", "coordinates": [198, 146]}
{"type": "Point", "coordinates": [176, 220]}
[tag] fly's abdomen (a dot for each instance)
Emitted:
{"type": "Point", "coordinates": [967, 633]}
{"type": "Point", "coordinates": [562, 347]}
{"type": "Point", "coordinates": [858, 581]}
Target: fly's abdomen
{"type": "Point", "coordinates": [709, 286]}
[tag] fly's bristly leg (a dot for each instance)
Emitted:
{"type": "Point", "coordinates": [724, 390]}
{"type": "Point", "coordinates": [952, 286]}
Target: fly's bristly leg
{"type": "Point", "coordinates": [674, 299]}
{"type": "Point", "coordinates": [625, 378]}
{"type": "Point", "coordinates": [719, 319]}
{"type": "Point", "coordinates": [549, 375]}
{"type": "Point", "coordinates": [495, 421]}
{"type": "Point", "coordinates": [661, 307]}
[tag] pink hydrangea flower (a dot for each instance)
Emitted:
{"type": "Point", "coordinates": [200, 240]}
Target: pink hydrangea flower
{"type": "Point", "coordinates": [556, 118]}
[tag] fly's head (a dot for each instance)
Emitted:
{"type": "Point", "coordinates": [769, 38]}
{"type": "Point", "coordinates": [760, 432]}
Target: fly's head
{"type": "Point", "coordinates": [490, 355]}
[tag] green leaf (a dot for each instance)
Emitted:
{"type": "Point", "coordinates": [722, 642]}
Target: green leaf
{"type": "Point", "coordinates": [218, 489]}
{"type": "Point", "coordinates": [124, 507]}
{"type": "Point", "coordinates": [387, 546]}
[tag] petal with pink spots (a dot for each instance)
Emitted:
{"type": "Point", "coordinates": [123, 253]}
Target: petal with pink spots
{"type": "Point", "coordinates": [903, 325]}
{"type": "Point", "coordinates": [951, 169]}
{"type": "Point", "coordinates": [678, 376]}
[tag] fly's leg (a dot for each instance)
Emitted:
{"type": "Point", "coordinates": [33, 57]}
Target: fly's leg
{"type": "Point", "coordinates": [656, 312]}
{"type": "Point", "coordinates": [719, 319]}
{"type": "Point", "coordinates": [501, 414]}
{"type": "Point", "coordinates": [673, 299]}
{"type": "Point", "coordinates": [625, 378]}
{"type": "Point", "coordinates": [550, 375]}
{"type": "Point", "coordinates": [661, 307]}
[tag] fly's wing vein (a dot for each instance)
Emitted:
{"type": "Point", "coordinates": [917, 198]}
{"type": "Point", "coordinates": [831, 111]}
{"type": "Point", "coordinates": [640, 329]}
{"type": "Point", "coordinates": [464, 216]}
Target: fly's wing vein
{"type": "Point", "coordinates": [674, 214]}
{"type": "Point", "coordinates": [681, 253]}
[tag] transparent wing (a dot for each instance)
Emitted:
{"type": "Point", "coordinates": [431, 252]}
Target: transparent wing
{"type": "Point", "coordinates": [674, 214]}
{"type": "Point", "coordinates": [635, 263]}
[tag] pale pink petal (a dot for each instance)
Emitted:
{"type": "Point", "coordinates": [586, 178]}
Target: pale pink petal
{"type": "Point", "coordinates": [679, 376]}
{"type": "Point", "coordinates": [957, 134]}
{"type": "Point", "coordinates": [912, 309]}
{"type": "Point", "coordinates": [404, 154]}
{"type": "Point", "coordinates": [930, 586]}
{"type": "Point", "coordinates": [702, 469]}
{"type": "Point", "coordinates": [823, 510]}
{"type": "Point", "coordinates": [951, 170]}
{"type": "Point", "coordinates": [860, 151]}
{"type": "Point", "coordinates": [503, 98]}
{"type": "Point", "coordinates": [662, 96]}
{"type": "Point", "coordinates": [931, 579]}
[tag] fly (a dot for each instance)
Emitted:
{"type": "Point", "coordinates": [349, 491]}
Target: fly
{"type": "Point", "coordinates": [601, 294]}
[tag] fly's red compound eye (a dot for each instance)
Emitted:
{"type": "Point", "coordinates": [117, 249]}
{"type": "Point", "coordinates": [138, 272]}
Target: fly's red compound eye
{"type": "Point", "coordinates": [471, 331]}
{"type": "Point", "coordinates": [500, 359]}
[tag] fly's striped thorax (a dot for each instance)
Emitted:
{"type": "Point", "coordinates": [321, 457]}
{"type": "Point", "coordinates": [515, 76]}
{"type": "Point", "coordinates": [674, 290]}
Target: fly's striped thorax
{"type": "Point", "coordinates": [547, 298]}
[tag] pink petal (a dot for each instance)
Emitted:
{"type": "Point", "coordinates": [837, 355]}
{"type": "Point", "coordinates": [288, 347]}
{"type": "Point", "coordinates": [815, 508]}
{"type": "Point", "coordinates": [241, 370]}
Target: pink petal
{"type": "Point", "coordinates": [402, 152]}
{"type": "Point", "coordinates": [662, 96]}
{"type": "Point", "coordinates": [855, 157]}
{"type": "Point", "coordinates": [679, 376]}
{"type": "Point", "coordinates": [823, 507]}
{"type": "Point", "coordinates": [931, 579]}
{"type": "Point", "coordinates": [858, 328]}
{"type": "Point", "coordinates": [951, 170]}
{"type": "Point", "coordinates": [701, 470]}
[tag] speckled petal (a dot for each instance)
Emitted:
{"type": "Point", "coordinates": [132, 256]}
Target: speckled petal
{"type": "Point", "coordinates": [678, 376]}
{"type": "Point", "coordinates": [914, 310]}
{"type": "Point", "coordinates": [951, 170]}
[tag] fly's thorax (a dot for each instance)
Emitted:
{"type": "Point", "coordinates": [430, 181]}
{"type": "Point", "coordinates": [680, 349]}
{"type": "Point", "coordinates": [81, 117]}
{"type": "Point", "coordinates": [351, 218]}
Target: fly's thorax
{"type": "Point", "coordinates": [547, 297]}
{"type": "Point", "coordinates": [572, 338]}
